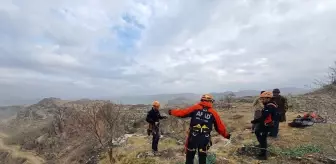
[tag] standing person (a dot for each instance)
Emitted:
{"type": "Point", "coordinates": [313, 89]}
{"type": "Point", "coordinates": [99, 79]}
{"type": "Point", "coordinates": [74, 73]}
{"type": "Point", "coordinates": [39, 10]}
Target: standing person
{"type": "Point", "coordinates": [257, 106]}
{"type": "Point", "coordinates": [203, 117]}
{"type": "Point", "coordinates": [265, 122]}
{"type": "Point", "coordinates": [281, 101]}
{"type": "Point", "coordinates": [153, 118]}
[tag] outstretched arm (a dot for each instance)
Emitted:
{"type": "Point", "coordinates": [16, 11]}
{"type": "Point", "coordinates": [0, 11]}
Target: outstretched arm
{"type": "Point", "coordinates": [162, 117]}
{"type": "Point", "coordinates": [184, 112]}
{"type": "Point", "coordinates": [219, 125]}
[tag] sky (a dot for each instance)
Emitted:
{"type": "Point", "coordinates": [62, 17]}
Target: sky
{"type": "Point", "coordinates": [99, 48]}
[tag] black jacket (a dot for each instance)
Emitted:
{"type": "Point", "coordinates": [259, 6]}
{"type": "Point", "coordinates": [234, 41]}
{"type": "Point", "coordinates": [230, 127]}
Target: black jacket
{"type": "Point", "coordinates": [270, 109]}
{"type": "Point", "coordinates": [282, 103]}
{"type": "Point", "coordinates": [154, 116]}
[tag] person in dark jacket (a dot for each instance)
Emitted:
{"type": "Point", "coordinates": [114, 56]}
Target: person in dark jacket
{"type": "Point", "coordinates": [281, 101]}
{"type": "Point", "coordinates": [153, 118]}
{"type": "Point", "coordinates": [265, 122]}
{"type": "Point", "coordinates": [203, 118]}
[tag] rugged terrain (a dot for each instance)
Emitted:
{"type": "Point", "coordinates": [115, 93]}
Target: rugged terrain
{"type": "Point", "coordinates": [13, 154]}
{"type": "Point", "coordinates": [96, 131]}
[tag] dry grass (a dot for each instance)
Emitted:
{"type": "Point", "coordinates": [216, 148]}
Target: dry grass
{"type": "Point", "coordinates": [67, 144]}
{"type": "Point", "coordinates": [291, 142]}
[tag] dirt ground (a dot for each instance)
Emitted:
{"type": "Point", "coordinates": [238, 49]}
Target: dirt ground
{"type": "Point", "coordinates": [291, 142]}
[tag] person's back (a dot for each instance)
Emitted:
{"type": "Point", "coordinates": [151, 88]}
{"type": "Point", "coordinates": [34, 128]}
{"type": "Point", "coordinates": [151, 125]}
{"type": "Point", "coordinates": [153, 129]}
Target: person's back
{"type": "Point", "coordinates": [269, 111]}
{"type": "Point", "coordinates": [202, 114]}
{"type": "Point", "coordinates": [281, 101]}
{"type": "Point", "coordinates": [203, 118]}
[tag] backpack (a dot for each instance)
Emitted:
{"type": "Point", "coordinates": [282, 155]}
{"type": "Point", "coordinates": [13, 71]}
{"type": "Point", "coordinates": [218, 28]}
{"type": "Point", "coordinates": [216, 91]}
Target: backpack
{"type": "Point", "coordinates": [269, 119]}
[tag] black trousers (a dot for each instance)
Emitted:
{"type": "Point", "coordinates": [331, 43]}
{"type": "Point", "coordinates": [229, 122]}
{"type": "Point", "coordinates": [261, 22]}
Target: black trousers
{"type": "Point", "coordinates": [199, 143]}
{"type": "Point", "coordinates": [156, 137]}
{"type": "Point", "coordinates": [275, 128]}
{"type": "Point", "coordinates": [282, 117]}
{"type": "Point", "coordinates": [261, 133]}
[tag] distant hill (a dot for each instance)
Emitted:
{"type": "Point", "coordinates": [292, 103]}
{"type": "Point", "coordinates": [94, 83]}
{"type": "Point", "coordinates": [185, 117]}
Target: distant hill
{"type": "Point", "coordinates": [192, 97]}
{"type": "Point", "coordinates": [180, 101]}
{"type": "Point", "coordinates": [9, 111]}
{"type": "Point", "coordinates": [284, 91]}
{"type": "Point", "coordinates": [163, 98]}
{"type": "Point", "coordinates": [8, 101]}
{"type": "Point", "coordinates": [147, 99]}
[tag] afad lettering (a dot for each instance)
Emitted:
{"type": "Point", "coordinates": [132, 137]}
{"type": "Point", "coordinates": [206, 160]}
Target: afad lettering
{"type": "Point", "coordinates": [206, 116]}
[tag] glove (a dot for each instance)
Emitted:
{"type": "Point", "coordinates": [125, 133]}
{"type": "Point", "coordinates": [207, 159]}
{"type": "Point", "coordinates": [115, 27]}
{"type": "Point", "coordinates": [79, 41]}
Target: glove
{"type": "Point", "coordinates": [228, 136]}
{"type": "Point", "coordinates": [169, 112]}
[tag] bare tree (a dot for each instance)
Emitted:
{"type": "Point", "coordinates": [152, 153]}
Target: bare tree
{"type": "Point", "coordinates": [229, 99]}
{"type": "Point", "coordinates": [89, 119]}
{"type": "Point", "coordinates": [106, 121]}
{"type": "Point", "coordinates": [220, 103]}
{"type": "Point", "coordinates": [59, 118]}
{"type": "Point", "coordinates": [114, 120]}
{"type": "Point", "coordinates": [332, 74]}
{"type": "Point", "coordinates": [225, 101]}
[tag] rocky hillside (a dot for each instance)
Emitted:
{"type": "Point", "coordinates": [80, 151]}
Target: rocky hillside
{"type": "Point", "coordinates": [321, 101]}
{"type": "Point", "coordinates": [92, 131]}
{"type": "Point", "coordinates": [55, 127]}
{"type": "Point", "coordinates": [7, 112]}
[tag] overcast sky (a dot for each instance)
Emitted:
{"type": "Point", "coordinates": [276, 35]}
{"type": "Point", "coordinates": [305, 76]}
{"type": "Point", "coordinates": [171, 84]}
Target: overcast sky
{"type": "Point", "coordinates": [90, 48]}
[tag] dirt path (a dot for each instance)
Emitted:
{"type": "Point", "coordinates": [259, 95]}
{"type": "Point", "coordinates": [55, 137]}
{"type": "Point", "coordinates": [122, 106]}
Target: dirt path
{"type": "Point", "coordinates": [16, 152]}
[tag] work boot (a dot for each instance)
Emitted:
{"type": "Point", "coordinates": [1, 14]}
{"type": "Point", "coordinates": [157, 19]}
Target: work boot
{"type": "Point", "coordinates": [274, 137]}
{"type": "Point", "coordinates": [262, 156]}
{"type": "Point", "coordinates": [156, 153]}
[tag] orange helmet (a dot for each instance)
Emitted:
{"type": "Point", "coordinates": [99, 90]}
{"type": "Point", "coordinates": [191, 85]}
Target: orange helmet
{"type": "Point", "coordinates": [156, 104]}
{"type": "Point", "coordinates": [266, 94]}
{"type": "Point", "coordinates": [207, 97]}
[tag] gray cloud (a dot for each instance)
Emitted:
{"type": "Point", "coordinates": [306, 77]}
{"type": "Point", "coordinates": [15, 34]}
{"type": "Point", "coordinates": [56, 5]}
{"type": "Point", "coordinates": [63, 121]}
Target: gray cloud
{"type": "Point", "coordinates": [71, 49]}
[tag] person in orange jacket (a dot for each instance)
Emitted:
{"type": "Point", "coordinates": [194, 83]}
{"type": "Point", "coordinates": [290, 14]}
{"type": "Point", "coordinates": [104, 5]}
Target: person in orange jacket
{"type": "Point", "coordinates": [203, 117]}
